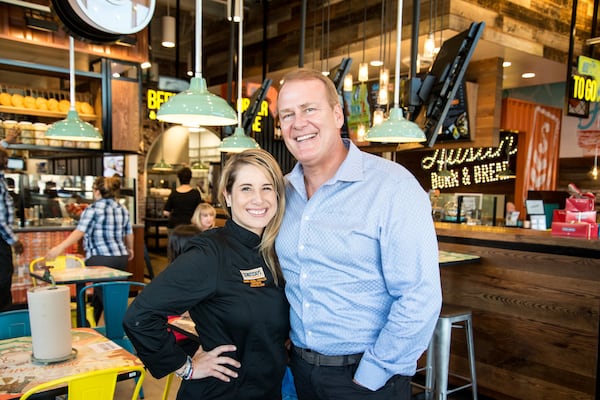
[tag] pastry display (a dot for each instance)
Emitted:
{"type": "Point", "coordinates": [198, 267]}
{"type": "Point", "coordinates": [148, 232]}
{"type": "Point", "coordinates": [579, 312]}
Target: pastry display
{"type": "Point", "coordinates": [52, 105]}
{"type": "Point", "coordinates": [64, 106]}
{"type": "Point", "coordinates": [41, 103]}
{"type": "Point", "coordinates": [29, 102]}
{"type": "Point", "coordinates": [16, 100]}
{"type": "Point", "coordinates": [5, 99]}
{"type": "Point", "coordinates": [86, 108]}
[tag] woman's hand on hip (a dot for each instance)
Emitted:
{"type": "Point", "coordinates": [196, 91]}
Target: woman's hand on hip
{"type": "Point", "coordinates": [213, 363]}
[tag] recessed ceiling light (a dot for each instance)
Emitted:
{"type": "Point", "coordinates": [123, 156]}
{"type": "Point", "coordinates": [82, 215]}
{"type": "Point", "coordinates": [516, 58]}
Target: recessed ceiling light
{"type": "Point", "coordinates": [528, 75]}
{"type": "Point", "coordinates": [506, 64]}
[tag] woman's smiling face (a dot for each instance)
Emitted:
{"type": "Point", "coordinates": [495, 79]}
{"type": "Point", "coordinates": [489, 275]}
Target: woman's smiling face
{"type": "Point", "coordinates": [253, 199]}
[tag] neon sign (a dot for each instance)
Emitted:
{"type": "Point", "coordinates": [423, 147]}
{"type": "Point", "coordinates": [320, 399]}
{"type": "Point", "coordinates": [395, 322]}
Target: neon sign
{"type": "Point", "coordinates": [451, 168]}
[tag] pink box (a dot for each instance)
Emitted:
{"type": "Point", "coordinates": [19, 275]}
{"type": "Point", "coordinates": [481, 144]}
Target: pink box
{"type": "Point", "coordinates": [559, 216]}
{"type": "Point", "coordinates": [584, 216]}
{"type": "Point", "coordinates": [575, 229]}
{"type": "Point", "coordinates": [580, 204]}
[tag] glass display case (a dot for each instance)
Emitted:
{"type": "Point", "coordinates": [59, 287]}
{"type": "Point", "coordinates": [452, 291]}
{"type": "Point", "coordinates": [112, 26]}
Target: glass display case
{"type": "Point", "coordinates": [58, 200]}
{"type": "Point", "coordinates": [470, 208]}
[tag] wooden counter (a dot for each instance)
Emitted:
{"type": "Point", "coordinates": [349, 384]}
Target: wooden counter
{"type": "Point", "coordinates": [536, 303]}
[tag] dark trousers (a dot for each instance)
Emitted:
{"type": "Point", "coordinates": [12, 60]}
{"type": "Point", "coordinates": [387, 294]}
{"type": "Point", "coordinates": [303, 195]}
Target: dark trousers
{"type": "Point", "coordinates": [6, 272]}
{"type": "Point", "coordinates": [119, 262]}
{"type": "Point", "coordinates": [335, 383]}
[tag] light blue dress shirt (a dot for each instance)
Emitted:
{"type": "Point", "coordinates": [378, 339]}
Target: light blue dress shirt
{"type": "Point", "coordinates": [360, 259]}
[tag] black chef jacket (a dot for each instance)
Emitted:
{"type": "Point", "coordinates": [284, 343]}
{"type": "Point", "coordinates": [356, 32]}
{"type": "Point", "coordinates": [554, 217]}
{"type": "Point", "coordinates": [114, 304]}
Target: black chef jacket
{"type": "Point", "coordinates": [225, 284]}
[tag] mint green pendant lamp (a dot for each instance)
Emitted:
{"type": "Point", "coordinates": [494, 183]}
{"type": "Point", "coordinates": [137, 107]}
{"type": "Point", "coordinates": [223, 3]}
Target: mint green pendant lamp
{"type": "Point", "coordinates": [72, 127]}
{"type": "Point", "coordinates": [197, 106]}
{"type": "Point", "coordinates": [239, 142]}
{"type": "Point", "coordinates": [396, 129]}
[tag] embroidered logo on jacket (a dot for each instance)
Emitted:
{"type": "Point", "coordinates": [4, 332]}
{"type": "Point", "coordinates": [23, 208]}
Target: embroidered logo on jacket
{"type": "Point", "coordinates": [255, 277]}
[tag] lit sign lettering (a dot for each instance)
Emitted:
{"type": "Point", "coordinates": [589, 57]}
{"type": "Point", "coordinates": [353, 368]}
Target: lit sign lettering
{"type": "Point", "coordinates": [154, 99]}
{"type": "Point", "coordinates": [586, 87]}
{"type": "Point", "coordinates": [264, 112]}
{"type": "Point", "coordinates": [468, 166]}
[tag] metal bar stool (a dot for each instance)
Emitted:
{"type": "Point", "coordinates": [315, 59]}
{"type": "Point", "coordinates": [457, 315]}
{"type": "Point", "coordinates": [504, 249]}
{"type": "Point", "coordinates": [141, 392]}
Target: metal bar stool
{"type": "Point", "coordinates": [438, 354]}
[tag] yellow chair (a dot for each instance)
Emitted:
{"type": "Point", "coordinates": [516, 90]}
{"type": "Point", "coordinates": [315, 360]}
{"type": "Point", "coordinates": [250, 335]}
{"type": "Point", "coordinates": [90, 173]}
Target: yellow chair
{"type": "Point", "coordinates": [93, 385]}
{"type": "Point", "coordinates": [168, 384]}
{"type": "Point", "coordinates": [59, 263]}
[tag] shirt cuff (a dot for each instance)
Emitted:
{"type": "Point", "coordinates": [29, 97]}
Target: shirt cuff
{"type": "Point", "coordinates": [371, 376]}
{"type": "Point", "coordinates": [4, 143]}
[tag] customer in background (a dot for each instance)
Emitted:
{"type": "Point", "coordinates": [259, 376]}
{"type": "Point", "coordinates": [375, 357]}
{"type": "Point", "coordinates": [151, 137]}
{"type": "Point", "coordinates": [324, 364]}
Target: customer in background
{"type": "Point", "coordinates": [229, 280]}
{"type": "Point", "coordinates": [8, 239]}
{"type": "Point", "coordinates": [105, 228]}
{"type": "Point", "coordinates": [182, 201]}
{"type": "Point", "coordinates": [204, 216]}
{"type": "Point", "coordinates": [359, 254]}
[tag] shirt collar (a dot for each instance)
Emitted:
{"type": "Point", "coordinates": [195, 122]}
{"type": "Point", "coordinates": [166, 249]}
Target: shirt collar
{"type": "Point", "coordinates": [351, 169]}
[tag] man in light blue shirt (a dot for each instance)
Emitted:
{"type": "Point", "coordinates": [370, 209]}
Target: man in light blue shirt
{"type": "Point", "coordinates": [358, 250]}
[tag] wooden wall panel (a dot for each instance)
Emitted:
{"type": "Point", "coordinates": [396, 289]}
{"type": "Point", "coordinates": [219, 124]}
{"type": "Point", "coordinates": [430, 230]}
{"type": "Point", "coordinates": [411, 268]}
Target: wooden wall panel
{"type": "Point", "coordinates": [535, 319]}
{"type": "Point", "coordinates": [538, 145]}
{"type": "Point", "coordinates": [125, 113]}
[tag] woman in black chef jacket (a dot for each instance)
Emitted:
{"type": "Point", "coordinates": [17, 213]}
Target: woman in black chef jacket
{"type": "Point", "coordinates": [230, 281]}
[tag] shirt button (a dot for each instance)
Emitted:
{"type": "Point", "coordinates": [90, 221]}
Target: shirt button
{"type": "Point", "coordinates": [301, 247]}
{"type": "Point", "coordinates": [307, 305]}
{"type": "Point", "coordinates": [306, 218]}
{"type": "Point", "coordinates": [304, 276]}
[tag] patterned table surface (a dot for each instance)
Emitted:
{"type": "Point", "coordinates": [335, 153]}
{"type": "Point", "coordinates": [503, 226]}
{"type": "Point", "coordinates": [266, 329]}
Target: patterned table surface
{"type": "Point", "coordinates": [18, 373]}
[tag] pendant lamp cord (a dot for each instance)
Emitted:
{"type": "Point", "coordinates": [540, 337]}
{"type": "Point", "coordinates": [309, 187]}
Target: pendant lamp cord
{"type": "Point", "coordinates": [240, 48]}
{"type": "Point", "coordinates": [72, 72]}
{"type": "Point", "coordinates": [398, 46]}
{"type": "Point", "coordinates": [198, 39]}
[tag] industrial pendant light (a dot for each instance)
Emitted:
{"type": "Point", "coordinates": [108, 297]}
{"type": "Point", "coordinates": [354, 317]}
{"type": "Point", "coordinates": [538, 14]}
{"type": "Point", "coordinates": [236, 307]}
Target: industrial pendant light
{"type": "Point", "coordinates": [396, 129]}
{"type": "Point", "coordinates": [168, 29]}
{"type": "Point", "coordinates": [73, 128]}
{"type": "Point", "coordinates": [197, 106]}
{"type": "Point", "coordinates": [162, 165]}
{"type": "Point", "coordinates": [239, 142]}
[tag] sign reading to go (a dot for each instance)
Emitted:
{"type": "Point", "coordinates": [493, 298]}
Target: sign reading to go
{"type": "Point", "coordinates": [584, 88]}
{"type": "Point", "coordinates": [585, 82]}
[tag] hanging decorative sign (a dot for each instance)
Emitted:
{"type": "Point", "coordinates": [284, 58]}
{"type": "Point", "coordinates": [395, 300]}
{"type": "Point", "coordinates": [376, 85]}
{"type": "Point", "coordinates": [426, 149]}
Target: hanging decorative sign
{"type": "Point", "coordinates": [452, 168]}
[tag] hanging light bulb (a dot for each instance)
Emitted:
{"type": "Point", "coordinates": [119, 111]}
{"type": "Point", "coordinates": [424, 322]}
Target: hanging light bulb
{"type": "Point", "coordinates": [363, 67]}
{"type": "Point", "coordinates": [382, 96]}
{"type": "Point", "coordinates": [429, 47]}
{"type": "Point", "coordinates": [363, 72]}
{"type": "Point", "coordinates": [348, 82]}
{"type": "Point", "coordinates": [384, 80]}
{"type": "Point", "coordinates": [360, 134]}
{"type": "Point", "coordinates": [377, 117]}
{"type": "Point", "coordinates": [594, 172]}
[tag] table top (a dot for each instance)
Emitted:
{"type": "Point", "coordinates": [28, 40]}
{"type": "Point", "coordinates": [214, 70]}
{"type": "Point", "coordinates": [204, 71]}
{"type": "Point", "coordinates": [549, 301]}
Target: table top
{"type": "Point", "coordinates": [87, 274]}
{"type": "Point", "coordinates": [451, 258]}
{"type": "Point", "coordinates": [185, 326]}
{"type": "Point", "coordinates": [94, 351]}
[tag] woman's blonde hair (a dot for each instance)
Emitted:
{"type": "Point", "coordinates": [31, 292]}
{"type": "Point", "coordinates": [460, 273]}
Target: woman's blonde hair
{"type": "Point", "coordinates": [198, 213]}
{"type": "Point", "coordinates": [267, 163]}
